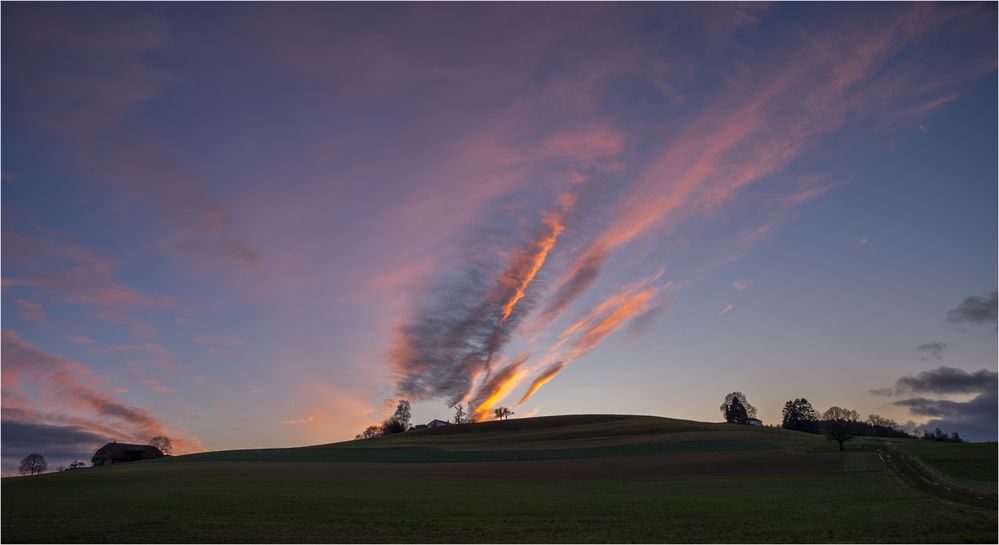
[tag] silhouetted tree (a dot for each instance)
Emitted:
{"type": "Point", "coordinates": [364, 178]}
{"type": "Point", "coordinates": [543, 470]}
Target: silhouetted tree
{"type": "Point", "coordinates": [839, 413]}
{"type": "Point", "coordinates": [940, 435]}
{"type": "Point", "coordinates": [502, 413]}
{"type": "Point", "coordinates": [77, 465]}
{"type": "Point", "coordinates": [33, 463]}
{"type": "Point", "coordinates": [839, 431]}
{"type": "Point", "coordinates": [840, 424]}
{"type": "Point", "coordinates": [370, 432]}
{"type": "Point", "coordinates": [881, 426]}
{"type": "Point", "coordinates": [60, 469]}
{"type": "Point", "coordinates": [402, 414]}
{"type": "Point", "coordinates": [798, 414]}
{"type": "Point", "coordinates": [163, 443]}
{"type": "Point", "coordinates": [392, 426]}
{"type": "Point", "coordinates": [737, 409]}
{"type": "Point", "coordinates": [459, 414]}
{"type": "Point", "coordinates": [878, 421]}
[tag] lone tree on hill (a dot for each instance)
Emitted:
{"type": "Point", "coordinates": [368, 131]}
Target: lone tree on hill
{"type": "Point", "coordinates": [840, 431]}
{"type": "Point", "coordinates": [737, 409]}
{"type": "Point", "coordinates": [33, 463]}
{"type": "Point", "coordinates": [502, 413]}
{"type": "Point", "coordinates": [798, 414]}
{"type": "Point", "coordinates": [163, 443]}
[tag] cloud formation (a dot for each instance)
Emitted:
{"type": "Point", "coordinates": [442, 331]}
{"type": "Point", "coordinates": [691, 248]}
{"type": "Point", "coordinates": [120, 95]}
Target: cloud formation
{"type": "Point", "coordinates": [975, 309]}
{"type": "Point", "coordinates": [974, 418]}
{"type": "Point", "coordinates": [933, 351]}
{"type": "Point", "coordinates": [31, 311]}
{"type": "Point", "coordinates": [741, 284]}
{"type": "Point", "coordinates": [41, 390]}
{"type": "Point", "coordinates": [945, 380]}
{"type": "Point", "coordinates": [445, 348]}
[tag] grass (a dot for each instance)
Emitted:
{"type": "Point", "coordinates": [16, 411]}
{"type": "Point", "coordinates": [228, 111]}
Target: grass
{"type": "Point", "coordinates": [976, 461]}
{"type": "Point", "coordinates": [697, 483]}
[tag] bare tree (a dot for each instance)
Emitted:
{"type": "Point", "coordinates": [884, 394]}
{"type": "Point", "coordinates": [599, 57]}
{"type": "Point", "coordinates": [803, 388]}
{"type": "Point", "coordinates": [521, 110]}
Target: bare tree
{"type": "Point", "coordinates": [163, 443]}
{"type": "Point", "coordinates": [33, 463]}
{"type": "Point", "coordinates": [502, 413]}
{"type": "Point", "coordinates": [459, 414]}
{"type": "Point", "coordinates": [839, 413]}
{"type": "Point", "coordinates": [77, 465]}
{"type": "Point", "coordinates": [839, 431]}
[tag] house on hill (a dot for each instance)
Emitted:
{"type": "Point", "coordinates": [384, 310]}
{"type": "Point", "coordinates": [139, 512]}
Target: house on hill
{"type": "Point", "coordinates": [436, 423]}
{"type": "Point", "coordinates": [116, 453]}
{"type": "Point", "coordinates": [754, 422]}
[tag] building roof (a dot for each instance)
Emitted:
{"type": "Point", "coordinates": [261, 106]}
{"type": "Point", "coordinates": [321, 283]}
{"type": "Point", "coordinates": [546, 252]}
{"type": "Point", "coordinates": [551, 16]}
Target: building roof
{"type": "Point", "coordinates": [126, 450]}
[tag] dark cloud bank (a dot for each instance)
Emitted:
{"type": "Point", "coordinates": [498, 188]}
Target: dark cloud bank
{"type": "Point", "coordinates": [976, 310]}
{"type": "Point", "coordinates": [59, 444]}
{"type": "Point", "coordinates": [975, 419]}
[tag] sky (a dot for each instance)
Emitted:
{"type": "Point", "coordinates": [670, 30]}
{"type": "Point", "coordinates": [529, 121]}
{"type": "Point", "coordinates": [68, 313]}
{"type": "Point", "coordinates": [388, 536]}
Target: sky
{"type": "Point", "coordinates": [260, 225]}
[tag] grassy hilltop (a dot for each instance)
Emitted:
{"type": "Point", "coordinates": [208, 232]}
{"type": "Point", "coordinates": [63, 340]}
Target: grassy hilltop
{"type": "Point", "coordinates": [586, 478]}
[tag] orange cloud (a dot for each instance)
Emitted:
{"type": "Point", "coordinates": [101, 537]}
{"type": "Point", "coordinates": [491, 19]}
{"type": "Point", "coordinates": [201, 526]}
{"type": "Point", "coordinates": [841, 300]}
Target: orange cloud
{"type": "Point", "coordinates": [497, 387]}
{"type": "Point", "coordinates": [522, 273]}
{"type": "Point", "coordinates": [541, 379]}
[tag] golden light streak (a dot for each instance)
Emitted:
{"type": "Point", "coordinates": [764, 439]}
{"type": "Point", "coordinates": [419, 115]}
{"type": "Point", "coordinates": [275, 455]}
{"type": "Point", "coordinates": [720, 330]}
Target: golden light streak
{"type": "Point", "coordinates": [541, 380]}
{"type": "Point", "coordinates": [498, 387]}
{"type": "Point", "coordinates": [522, 279]}
{"type": "Point", "coordinates": [484, 408]}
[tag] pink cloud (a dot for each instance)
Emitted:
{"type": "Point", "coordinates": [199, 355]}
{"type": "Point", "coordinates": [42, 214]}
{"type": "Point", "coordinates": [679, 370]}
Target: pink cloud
{"type": "Point", "coordinates": [72, 395]}
{"type": "Point", "coordinates": [728, 308]}
{"type": "Point", "coordinates": [31, 311]}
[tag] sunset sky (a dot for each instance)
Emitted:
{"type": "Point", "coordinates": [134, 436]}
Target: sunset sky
{"type": "Point", "coordinates": [255, 225]}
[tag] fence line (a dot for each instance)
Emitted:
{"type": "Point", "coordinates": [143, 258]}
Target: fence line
{"type": "Point", "coordinates": [959, 482]}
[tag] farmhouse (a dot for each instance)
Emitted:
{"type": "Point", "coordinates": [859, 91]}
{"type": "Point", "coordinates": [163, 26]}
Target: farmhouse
{"type": "Point", "coordinates": [754, 422]}
{"type": "Point", "coordinates": [116, 453]}
{"type": "Point", "coordinates": [436, 423]}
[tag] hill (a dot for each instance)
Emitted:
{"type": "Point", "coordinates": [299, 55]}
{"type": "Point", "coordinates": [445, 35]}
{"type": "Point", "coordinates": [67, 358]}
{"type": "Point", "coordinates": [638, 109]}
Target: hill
{"type": "Point", "coordinates": [581, 478]}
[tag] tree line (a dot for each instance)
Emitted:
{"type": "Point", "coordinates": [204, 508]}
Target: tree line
{"type": "Point", "coordinates": [836, 423]}
{"type": "Point", "coordinates": [400, 420]}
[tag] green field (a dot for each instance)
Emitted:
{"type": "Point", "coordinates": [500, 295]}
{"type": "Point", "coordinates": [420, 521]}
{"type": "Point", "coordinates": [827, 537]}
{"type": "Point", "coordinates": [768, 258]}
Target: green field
{"type": "Point", "coordinates": [556, 479]}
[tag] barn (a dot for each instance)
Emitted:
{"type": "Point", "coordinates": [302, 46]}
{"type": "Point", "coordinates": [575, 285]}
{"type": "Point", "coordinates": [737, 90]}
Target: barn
{"type": "Point", "coordinates": [436, 423]}
{"type": "Point", "coordinates": [116, 453]}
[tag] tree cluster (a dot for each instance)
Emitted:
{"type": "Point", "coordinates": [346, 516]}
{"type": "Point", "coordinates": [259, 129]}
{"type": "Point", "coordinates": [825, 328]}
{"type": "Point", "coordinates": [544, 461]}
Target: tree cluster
{"type": "Point", "coordinates": [940, 435]}
{"type": "Point", "coordinates": [736, 408]}
{"type": "Point", "coordinates": [397, 423]}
